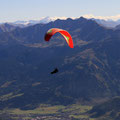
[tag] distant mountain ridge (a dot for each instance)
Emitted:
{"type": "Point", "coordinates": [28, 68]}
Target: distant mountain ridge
{"type": "Point", "coordinates": [107, 23]}
{"type": "Point", "coordinates": [6, 27]}
{"type": "Point", "coordinates": [45, 20]}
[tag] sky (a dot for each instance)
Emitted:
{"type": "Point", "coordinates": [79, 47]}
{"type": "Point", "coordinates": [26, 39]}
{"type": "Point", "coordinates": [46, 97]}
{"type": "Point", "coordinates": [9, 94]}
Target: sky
{"type": "Point", "coordinates": [13, 10]}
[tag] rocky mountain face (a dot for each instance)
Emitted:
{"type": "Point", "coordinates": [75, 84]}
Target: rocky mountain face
{"type": "Point", "coordinates": [88, 72]}
{"type": "Point", "coordinates": [107, 23]}
{"type": "Point", "coordinates": [108, 110]}
{"type": "Point", "coordinates": [6, 27]}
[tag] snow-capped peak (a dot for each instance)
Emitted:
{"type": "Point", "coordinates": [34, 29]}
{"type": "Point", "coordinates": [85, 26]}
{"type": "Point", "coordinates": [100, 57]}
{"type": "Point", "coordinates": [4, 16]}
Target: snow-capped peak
{"type": "Point", "coordinates": [41, 20]}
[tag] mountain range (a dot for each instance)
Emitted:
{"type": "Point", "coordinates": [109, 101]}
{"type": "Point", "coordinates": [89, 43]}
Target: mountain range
{"type": "Point", "coordinates": [88, 73]}
{"type": "Point", "coordinates": [44, 20]}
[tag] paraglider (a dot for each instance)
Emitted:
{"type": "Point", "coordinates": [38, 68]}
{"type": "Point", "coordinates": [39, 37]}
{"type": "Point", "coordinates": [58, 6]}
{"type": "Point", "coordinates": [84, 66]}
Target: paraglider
{"type": "Point", "coordinates": [66, 36]}
{"type": "Point", "coordinates": [64, 33]}
{"type": "Point", "coordinates": [54, 71]}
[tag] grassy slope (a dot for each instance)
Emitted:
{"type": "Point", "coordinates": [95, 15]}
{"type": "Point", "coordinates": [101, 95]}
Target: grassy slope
{"type": "Point", "coordinates": [48, 112]}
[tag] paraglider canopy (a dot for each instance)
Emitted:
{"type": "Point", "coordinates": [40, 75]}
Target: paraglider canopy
{"type": "Point", "coordinates": [64, 33]}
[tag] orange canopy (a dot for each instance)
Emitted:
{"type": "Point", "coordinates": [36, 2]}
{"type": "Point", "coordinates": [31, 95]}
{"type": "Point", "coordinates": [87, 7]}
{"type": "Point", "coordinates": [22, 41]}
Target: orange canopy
{"type": "Point", "coordinates": [64, 33]}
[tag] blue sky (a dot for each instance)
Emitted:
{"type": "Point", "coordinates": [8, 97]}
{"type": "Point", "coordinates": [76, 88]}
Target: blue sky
{"type": "Point", "coordinates": [12, 10]}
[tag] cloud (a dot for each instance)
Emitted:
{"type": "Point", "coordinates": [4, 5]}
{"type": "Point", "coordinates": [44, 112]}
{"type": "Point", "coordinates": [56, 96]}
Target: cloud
{"type": "Point", "coordinates": [62, 18]}
{"type": "Point", "coordinates": [116, 17]}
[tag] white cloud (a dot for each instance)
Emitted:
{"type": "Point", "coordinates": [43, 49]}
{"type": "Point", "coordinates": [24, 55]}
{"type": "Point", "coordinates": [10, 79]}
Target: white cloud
{"type": "Point", "coordinates": [116, 17]}
{"type": "Point", "coordinates": [62, 18]}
